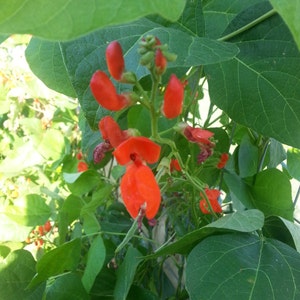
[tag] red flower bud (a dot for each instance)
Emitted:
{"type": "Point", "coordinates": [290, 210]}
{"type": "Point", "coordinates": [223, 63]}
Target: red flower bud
{"type": "Point", "coordinates": [160, 62]}
{"type": "Point", "coordinates": [82, 166]}
{"type": "Point", "coordinates": [173, 98]}
{"type": "Point", "coordinates": [115, 60]}
{"type": "Point", "coordinates": [47, 226]}
{"type": "Point", "coordinates": [139, 189]}
{"type": "Point", "coordinates": [223, 160]}
{"type": "Point", "coordinates": [105, 92]}
{"type": "Point", "coordinates": [174, 165]}
{"type": "Point", "coordinates": [136, 149]}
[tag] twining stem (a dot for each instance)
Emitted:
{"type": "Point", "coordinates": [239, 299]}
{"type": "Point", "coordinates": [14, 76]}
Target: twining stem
{"type": "Point", "coordinates": [248, 26]}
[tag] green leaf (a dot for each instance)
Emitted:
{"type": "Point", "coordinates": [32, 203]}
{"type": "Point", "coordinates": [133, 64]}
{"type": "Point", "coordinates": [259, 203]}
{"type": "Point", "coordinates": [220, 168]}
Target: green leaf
{"type": "Point", "coordinates": [248, 157]}
{"type": "Point", "coordinates": [242, 266]}
{"type": "Point", "coordinates": [31, 210]}
{"type": "Point", "coordinates": [126, 272]}
{"type": "Point", "coordinates": [59, 20]}
{"type": "Point", "coordinates": [272, 194]}
{"type": "Point", "coordinates": [16, 271]}
{"type": "Point", "coordinates": [260, 87]}
{"type": "Point", "coordinates": [57, 261]}
{"type": "Point", "coordinates": [219, 13]}
{"type": "Point", "coordinates": [246, 221]}
{"type": "Point", "coordinates": [46, 62]}
{"type": "Point", "coordinates": [67, 286]}
{"type": "Point", "coordinates": [293, 162]}
{"type": "Point", "coordinates": [95, 261]}
{"type": "Point", "coordinates": [283, 230]}
{"type": "Point", "coordinates": [90, 223]}
{"type": "Point", "coordinates": [83, 182]}
{"type": "Point", "coordinates": [276, 154]}
{"type": "Point", "coordinates": [290, 12]}
{"type": "Point", "coordinates": [71, 208]}
{"type": "Point", "coordinates": [239, 190]}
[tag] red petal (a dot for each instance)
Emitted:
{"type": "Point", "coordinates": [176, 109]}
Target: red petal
{"type": "Point", "coordinates": [115, 60]}
{"type": "Point", "coordinates": [111, 131]}
{"type": "Point", "coordinates": [105, 92]}
{"type": "Point", "coordinates": [141, 146]}
{"type": "Point", "coordinates": [160, 62]}
{"type": "Point", "coordinates": [138, 186]}
{"type": "Point", "coordinates": [173, 98]}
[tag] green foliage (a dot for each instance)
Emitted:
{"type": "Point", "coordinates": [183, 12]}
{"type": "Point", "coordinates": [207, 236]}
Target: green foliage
{"type": "Point", "coordinates": [251, 274]}
{"type": "Point", "coordinates": [242, 58]}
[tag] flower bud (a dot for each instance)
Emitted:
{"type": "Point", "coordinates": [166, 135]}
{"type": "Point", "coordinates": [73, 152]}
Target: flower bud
{"type": "Point", "coordinates": [160, 62]}
{"type": "Point", "coordinates": [115, 60]}
{"type": "Point", "coordinates": [173, 98]}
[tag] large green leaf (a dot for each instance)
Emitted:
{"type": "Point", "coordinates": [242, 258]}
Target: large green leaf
{"type": "Point", "coordinates": [290, 12]}
{"type": "Point", "coordinates": [57, 261]}
{"type": "Point", "coordinates": [260, 87]}
{"type": "Point", "coordinates": [16, 271]}
{"type": "Point", "coordinates": [243, 266]}
{"type": "Point", "coordinates": [46, 62]}
{"type": "Point", "coordinates": [61, 20]}
{"type": "Point", "coordinates": [246, 221]}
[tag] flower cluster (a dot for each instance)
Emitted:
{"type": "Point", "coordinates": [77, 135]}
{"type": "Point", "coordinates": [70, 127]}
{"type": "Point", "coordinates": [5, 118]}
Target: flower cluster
{"type": "Point", "coordinates": [36, 235]}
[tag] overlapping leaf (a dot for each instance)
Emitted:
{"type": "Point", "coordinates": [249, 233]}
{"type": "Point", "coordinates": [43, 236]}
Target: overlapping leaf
{"type": "Point", "coordinates": [62, 20]}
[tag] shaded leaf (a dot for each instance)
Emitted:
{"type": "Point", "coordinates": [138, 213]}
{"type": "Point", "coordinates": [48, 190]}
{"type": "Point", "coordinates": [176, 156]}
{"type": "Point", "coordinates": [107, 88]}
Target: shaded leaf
{"type": "Point", "coordinates": [68, 286]}
{"type": "Point", "coordinates": [61, 20]}
{"type": "Point", "coordinates": [283, 230]}
{"type": "Point", "coordinates": [57, 261]}
{"type": "Point", "coordinates": [246, 221]}
{"type": "Point", "coordinates": [242, 266]}
{"type": "Point", "coordinates": [126, 273]}
{"type": "Point", "coordinates": [16, 271]}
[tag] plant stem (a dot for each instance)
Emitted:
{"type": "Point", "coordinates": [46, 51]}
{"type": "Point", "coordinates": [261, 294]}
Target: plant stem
{"type": "Point", "coordinates": [248, 26]}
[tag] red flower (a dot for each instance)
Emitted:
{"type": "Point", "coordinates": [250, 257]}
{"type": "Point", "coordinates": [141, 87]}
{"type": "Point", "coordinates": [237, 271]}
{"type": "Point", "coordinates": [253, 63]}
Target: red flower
{"type": "Point", "coordinates": [139, 190]}
{"type": "Point", "coordinates": [174, 165]}
{"type": "Point", "coordinates": [198, 135]}
{"type": "Point", "coordinates": [160, 62]}
{"type": "Point", "coordinates": [223, 160]}
{"type": "Point", "coordinates": [212, 196]}
{"type": "Point", "coordinates": [82, 166]}
{"type": "Point", "coordinates": [173, 98]}
{"type": "Point", "coordinates": [105, 92]}
{"type": "Point", "coordinates": [47, 226]}
{"type": "Point", "coordinates": [111, 132]}
{"type": "Point", "coordinates": [115, 60]}
{"type": "Point", "coordinates": [137, 149]}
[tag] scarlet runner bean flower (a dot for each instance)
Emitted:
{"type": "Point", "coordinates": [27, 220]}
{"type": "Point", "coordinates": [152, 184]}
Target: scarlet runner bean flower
{"type": "Point", "coordinates": [223, 160]}
{"type": "Point", "coordinates": [112, 136]}
{"type": "Point", "coordinates": [173, 98]}
{"type": "Point", "coordinates": [212, 196]}
{"type": "Point", "coordinates": [105, 92]}
{"type": "Point", "coordinates": [202, 138]}
{"type": "Point", "coordinates": [115, 60]}
{"type": "Point", "coordinates": [139, 189]}
{"type": "Point", "coordinates": [82, 166]}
